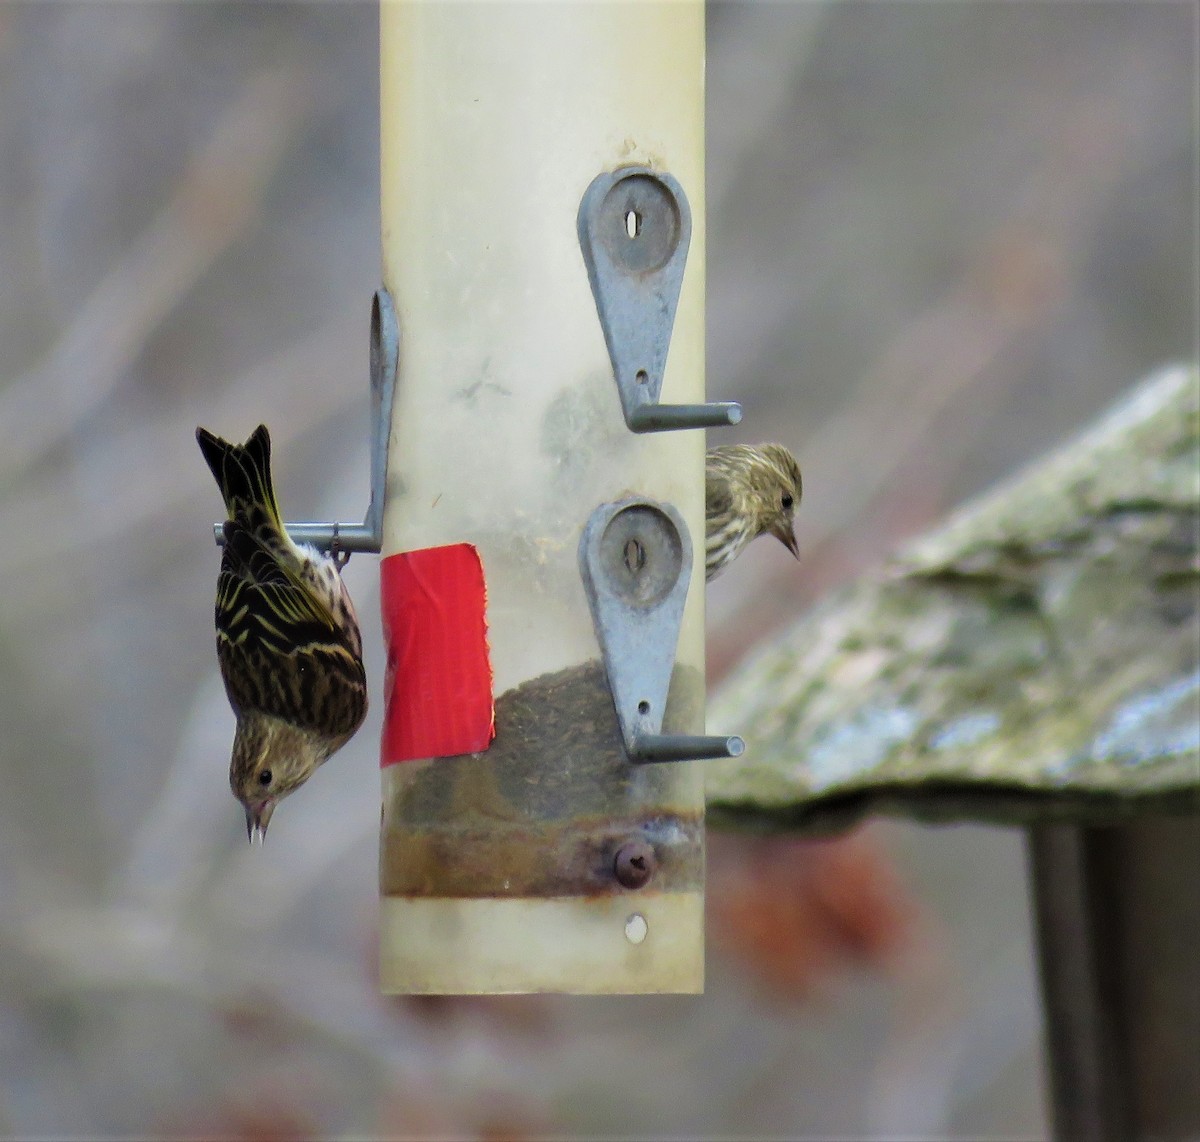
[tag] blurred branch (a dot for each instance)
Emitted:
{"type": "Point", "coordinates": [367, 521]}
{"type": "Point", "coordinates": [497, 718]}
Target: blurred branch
{"type": "Point", "coordinates": [276, 385]}
{"type": "Point", "coordinates": [219, 195]}
{"type": "Point", "coordinates": [942, 353]}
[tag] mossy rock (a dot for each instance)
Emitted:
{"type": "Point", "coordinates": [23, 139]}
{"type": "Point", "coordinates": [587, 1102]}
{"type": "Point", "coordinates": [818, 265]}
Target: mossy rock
{"type": "Point", "coordinates": [1036, 658]}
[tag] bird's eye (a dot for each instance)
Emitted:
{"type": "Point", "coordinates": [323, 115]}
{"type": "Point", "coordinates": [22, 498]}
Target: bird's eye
{"type": "Point", "coordinates": [264, 778]}
{"type": "Point", "coordinates": [787, 501]}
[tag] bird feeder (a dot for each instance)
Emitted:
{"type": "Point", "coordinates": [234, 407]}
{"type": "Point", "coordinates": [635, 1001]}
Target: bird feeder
{"type": "Point", "coordinates": [543, 571]}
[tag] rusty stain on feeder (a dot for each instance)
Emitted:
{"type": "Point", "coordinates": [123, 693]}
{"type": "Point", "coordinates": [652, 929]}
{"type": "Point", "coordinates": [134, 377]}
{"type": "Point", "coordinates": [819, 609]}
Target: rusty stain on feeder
{"type": "Point", "coordinates": [503, 823]}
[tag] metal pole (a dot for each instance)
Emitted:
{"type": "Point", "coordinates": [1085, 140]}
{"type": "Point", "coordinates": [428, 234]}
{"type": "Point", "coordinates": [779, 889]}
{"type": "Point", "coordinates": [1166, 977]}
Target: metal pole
{"type": "Point", "coordinates": [1118, 922]}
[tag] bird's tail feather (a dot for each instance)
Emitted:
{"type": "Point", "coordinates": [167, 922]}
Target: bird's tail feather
{"type": "Point", "coordinates": [243, 473]}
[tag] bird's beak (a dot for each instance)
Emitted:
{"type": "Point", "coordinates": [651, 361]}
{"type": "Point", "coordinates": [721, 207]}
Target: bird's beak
{"type": "Point", "coordinates": [258, 816]}
{"type": "Point", "coordinates": [784, 533]}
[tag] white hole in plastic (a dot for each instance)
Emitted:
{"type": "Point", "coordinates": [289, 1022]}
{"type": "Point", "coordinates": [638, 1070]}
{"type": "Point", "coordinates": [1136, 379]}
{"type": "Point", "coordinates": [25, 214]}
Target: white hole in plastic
{"type": "Point", "coordinates": [636, 928]}
{"type": "Point", "coordinates": [633, 223]}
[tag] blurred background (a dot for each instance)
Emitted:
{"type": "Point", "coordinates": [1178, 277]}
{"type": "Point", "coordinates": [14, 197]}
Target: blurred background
{"type": "Point", "coordinates": [941, 237]}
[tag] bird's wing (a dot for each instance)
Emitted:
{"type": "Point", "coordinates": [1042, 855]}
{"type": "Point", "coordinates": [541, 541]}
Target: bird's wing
{"type": "Point", "coordinates": [280, 649]}
{"type": "Point", "coordinates": [718, 499]}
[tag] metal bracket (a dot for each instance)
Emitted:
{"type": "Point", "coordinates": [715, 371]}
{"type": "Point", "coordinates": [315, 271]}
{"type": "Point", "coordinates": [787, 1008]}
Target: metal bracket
{"type": "Point", "coordinates": [635, 558]}
{"type": "Point", "coordinates": [635, 227]}
{"type": "Point", "coordinates": [344, 539]}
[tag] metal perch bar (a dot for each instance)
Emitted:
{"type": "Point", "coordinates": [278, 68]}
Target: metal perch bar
{"type": "Point", "coordinates": [635, 225]}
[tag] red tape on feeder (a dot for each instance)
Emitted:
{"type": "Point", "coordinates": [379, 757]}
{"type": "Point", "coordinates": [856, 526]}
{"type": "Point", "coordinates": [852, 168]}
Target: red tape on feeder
{"type": "Point", "coordinates": [438, 691]}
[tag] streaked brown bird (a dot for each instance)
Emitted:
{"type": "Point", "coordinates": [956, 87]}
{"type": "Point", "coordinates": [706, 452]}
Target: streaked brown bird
{"type": "Point", "coordinates": [749, 490]}
{"type": "Point", "coordinates": [287, 638]}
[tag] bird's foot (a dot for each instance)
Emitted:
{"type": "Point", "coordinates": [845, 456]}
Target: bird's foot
{"type": "Point", "coordinates": [340, 558]}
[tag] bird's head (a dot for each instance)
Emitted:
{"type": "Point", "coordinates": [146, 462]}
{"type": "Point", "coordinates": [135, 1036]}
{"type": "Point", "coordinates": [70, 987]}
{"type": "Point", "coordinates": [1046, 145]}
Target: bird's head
{"type": "Point", "coordinates": [773, 479]}
{"type": "Point", "coordinates": [271, 758]}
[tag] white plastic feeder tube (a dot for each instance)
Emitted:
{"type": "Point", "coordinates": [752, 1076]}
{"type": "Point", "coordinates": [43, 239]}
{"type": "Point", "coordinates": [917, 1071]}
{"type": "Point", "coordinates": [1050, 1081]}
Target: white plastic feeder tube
{"type": "Point", "coordinates": [507, 434]}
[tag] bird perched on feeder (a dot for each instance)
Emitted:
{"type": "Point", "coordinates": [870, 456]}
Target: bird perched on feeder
{"type": "Point", "coordinates": [287, 638]}
{"type": "Point", "coordinates": [749, 490]}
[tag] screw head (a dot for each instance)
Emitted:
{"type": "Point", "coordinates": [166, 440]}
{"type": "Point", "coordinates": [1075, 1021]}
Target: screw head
{"type": "Point", "coordinates": [639, 557]}
{"type": "Point", "coordinates": [640, 223]}
{"type": "Point", "coordinates": [634, 864]}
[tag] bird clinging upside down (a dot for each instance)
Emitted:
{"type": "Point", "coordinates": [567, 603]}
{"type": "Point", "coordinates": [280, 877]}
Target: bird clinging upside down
{"type": "Point", "coordinates": [287, 638]}
{"type": "Point", "coordinates": [749, 490]}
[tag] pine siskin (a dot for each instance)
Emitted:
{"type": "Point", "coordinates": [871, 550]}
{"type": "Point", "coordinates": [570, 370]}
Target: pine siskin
{"type": "Point", "coordinates": [749, 490]}
{"type": "Point", "coordinates": [287, 638]}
